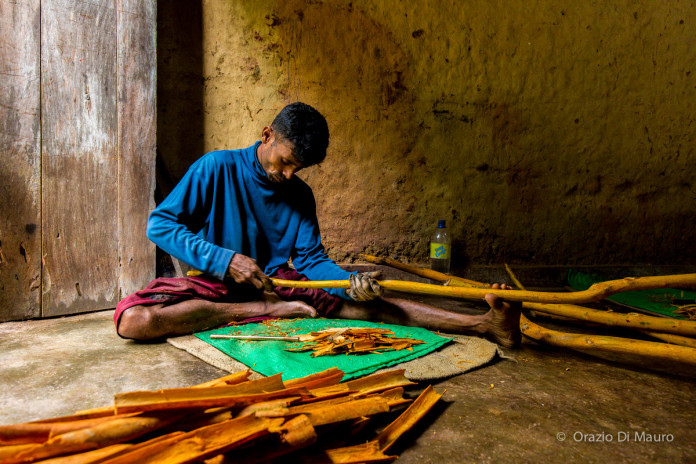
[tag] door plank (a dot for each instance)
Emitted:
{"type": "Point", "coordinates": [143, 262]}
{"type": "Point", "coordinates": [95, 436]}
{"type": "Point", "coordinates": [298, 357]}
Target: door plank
{"type": "Point", "coordinates": [137, 88]}
{"type": "Point", "coordinates": [20, 174]}
{"type": "Point", "coordinates": [79, 156]}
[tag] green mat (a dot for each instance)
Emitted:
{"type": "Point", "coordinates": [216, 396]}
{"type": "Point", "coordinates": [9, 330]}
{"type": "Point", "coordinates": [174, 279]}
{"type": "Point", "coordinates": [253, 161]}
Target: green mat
{"type": "Point", "coordinates": [270, 357]}
{"type": "Point", "coordinates": [660, 301]}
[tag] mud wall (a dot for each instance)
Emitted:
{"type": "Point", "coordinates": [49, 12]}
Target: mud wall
{"type": "Point", "coordinates": [556, 133]}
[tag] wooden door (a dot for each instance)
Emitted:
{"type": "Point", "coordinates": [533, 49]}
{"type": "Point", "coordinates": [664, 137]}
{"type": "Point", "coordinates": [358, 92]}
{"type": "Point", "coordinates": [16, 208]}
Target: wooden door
{"type": "Point", "coordinates": [20, 171]}
{"type": "Point", "coordinates": [96, 158]}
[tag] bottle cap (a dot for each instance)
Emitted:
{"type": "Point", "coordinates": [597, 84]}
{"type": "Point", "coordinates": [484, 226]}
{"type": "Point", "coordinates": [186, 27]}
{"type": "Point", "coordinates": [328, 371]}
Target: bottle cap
{"type": "Point", "coordinates": [441, 224]}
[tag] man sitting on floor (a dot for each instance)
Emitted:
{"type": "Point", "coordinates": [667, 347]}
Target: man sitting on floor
{"type": "Point", "coordinates": [239, 216]}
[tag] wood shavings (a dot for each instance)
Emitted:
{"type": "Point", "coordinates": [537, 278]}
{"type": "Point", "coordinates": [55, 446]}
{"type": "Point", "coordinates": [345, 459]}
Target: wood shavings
{"type": "Point", "coordinates": [354, 340]}
{"type": "Point", "coordinates": [686, 311]}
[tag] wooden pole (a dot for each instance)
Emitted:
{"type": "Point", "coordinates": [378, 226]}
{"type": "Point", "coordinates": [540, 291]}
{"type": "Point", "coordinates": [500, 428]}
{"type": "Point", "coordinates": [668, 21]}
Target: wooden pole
{"type": "Point", "coordinates": [685, 353]}
{"type": "Point", "coordinates": [446, 279]}
{"type": "Point", "coordinates": [658, 351]}
{"type": "Point", "coordinates": [596, 292]}
{"type": "Point", "coordinates": [631, 321]}
{"type": "Point", "coordinates": [635, 321]}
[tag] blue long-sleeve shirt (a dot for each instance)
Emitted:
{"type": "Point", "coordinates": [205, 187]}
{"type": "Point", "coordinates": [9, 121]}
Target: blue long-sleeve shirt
{"type": "Point", "coordinates": [225, 204]}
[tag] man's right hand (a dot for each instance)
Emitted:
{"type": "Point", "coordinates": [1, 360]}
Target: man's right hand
{"type": "Point", "coordinates": [244, 270]}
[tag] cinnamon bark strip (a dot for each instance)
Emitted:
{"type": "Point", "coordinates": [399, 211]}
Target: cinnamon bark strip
{"type": "Point", "coordinates": [332, 391]}
{"type": "Point", "coordinates": [322, 415]}
{"type": "Point", "coordinates": [260, 408]}
{"type": "Point", "coordinates": [232, 379]}
{"type": "Point", "coordinates": [228, 380]}
{"type": "Point", "coordinates": [325, 378]}
{"type": "Point", "coordinates": [379, 382]}
{"type": "Point", "coordinates": [162, 404]}
{"type": "Point", "coordinates": [253, 391]}
{"type": "Point", "coordinates": [408, 418]}
{"type": "Point", "coordinates": [98, 456]}
{"type": "Point", "coordinates": [92, 413]}
{"type": "Point", "coordinates": [89, 457]}
{"type": "Point", "coordinates": [332, 411]}
{"type": "Point", "coordinates": [393, 397]}
{"type": "Point", "coordinates": [291, 436]}
{"type": "Point", "coordinates": [33, 432]}
{"type": "Point", "coordinates": [297, 432]}
{"type": "Point", "coordinates": [202, 443]}
{"type": "Point", "coordinates": [98, 436]}
{"type": "Point", "coordinates": [364, 453]}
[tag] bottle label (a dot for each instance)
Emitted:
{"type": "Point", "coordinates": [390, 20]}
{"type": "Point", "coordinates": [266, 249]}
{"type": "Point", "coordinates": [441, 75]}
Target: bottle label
{"type": "Point", "coordinates": [440, 250]}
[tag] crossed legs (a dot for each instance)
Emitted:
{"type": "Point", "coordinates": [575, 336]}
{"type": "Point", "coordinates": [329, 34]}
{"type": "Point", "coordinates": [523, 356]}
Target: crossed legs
{"type": "Point", "coordinates": [500, 324]}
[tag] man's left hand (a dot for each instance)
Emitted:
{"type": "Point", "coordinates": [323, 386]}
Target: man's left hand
{"type": "Point", "coordinates": [364, 287]}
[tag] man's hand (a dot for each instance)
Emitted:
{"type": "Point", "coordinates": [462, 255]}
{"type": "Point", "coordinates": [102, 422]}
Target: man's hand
{"type": "Point", "coordinates": [245, 271]}
{"type": "Point", "coordinates": [364, 287]}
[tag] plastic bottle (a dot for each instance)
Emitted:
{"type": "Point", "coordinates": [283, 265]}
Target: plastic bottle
{"type": "Point", "coordinates": [440, 248]}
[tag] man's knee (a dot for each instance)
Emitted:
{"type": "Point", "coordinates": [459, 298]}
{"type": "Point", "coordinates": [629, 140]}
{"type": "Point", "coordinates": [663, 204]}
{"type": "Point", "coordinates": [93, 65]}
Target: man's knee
{"type": "Point", "coordinates": [136, 323]}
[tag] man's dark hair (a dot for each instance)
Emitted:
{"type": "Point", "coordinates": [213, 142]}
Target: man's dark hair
{"type": "Point", "coordinates": [306, 129]}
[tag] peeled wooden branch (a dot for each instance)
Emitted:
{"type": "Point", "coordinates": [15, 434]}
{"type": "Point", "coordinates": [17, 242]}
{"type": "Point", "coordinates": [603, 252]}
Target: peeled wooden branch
{"type": "Point", "coordinates": [673, 339]}
{"type": "Point", "coordinates": [446, 279]}
{"type": "Point", "coordinates": [634, 321]}
{"type": "Point", "coordinates": [658, 351]}
{"type": "Point", "coordinates": [603, 343]}
{"type": "Point", "coordinates": [596, 292]}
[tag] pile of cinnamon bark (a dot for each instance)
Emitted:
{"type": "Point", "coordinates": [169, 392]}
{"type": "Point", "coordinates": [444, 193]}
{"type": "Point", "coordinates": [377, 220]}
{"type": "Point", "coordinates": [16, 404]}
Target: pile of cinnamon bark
{"type": "Point", "coordinates": [231, 419]}
{"type": "Point", "coordinates": [354, 340]}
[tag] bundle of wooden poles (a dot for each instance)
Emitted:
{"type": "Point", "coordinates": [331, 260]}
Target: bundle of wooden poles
{"type": "Point", "coordinates": [231, 419]}
{"type": "Point", "coordinates": [678, 334]}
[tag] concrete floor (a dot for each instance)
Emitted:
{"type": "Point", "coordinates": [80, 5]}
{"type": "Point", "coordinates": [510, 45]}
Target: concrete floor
{"type": "Point", "coordinates": [505, 412]}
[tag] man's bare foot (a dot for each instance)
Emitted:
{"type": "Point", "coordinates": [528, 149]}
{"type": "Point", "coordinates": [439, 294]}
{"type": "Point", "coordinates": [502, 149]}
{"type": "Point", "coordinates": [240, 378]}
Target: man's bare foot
{"type": "Point", "coordinates": [503, 320]}
{"type": "Point", "coordinates": [275, 307]}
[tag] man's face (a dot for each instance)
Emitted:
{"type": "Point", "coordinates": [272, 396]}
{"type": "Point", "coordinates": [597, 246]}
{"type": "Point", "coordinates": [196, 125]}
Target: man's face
{"type": "Point", "coordinates": [275, 156]}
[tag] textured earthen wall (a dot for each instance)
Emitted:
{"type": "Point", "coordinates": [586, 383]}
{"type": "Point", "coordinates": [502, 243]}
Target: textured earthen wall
{"type": "Point", "coordinates": [545, 133]}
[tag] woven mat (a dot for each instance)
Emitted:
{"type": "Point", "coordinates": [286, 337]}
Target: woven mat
{"type": "Point", "coordinates": [463, 354]}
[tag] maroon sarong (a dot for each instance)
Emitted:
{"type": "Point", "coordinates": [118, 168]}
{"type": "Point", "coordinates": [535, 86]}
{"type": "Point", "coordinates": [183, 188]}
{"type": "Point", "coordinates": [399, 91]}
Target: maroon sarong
{"type": "Point", "coordinates": [171, 290]}
{"type": "Point", "coordinates": [317, 298]}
